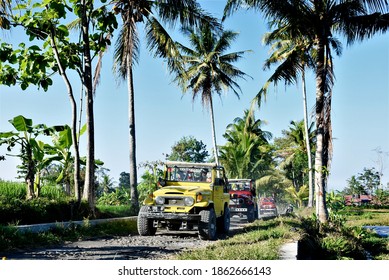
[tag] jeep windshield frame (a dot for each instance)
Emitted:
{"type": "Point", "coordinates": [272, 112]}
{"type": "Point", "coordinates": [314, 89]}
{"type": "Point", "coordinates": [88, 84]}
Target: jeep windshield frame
{"type": "Point", "coordinates": [189, 172]}
{"type": "Point", "coordinates": [241, 184]}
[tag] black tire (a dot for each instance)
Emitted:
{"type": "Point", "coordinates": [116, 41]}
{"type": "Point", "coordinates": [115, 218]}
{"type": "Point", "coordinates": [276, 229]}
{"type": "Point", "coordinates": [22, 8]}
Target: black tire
{"type": "Point", "coordinates": [223, 222]}
{"type": "Point", "coordinates": [145, 226]}
{"type": "Point", "coordinates": [250, 215]}
{"type": "Point", "coordinates": [207, 225]}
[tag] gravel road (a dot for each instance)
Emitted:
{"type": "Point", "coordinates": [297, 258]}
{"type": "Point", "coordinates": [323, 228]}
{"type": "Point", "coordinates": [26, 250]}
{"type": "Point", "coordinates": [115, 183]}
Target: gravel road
{"type": "Point", "coordinates": [161, 246]}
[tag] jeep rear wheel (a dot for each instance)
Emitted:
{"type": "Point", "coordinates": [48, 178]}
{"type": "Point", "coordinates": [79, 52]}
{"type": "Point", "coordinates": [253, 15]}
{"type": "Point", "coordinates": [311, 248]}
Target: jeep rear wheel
{"type": "Point", "coordinates": [207, 224]}
{"type": "Point", "coordinates": [145, 226]}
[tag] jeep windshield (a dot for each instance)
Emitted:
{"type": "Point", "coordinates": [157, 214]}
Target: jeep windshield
{"type": "Point", "coordinates": [189, 172]}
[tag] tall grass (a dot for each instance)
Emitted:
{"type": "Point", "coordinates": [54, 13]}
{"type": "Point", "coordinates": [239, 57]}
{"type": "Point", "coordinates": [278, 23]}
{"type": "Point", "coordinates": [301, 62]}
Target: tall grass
{"type": "Point", "coordinates": [53, 192]}
{"type": "Point", "coordinates": [18, 190]}
{"type": "Point", "coordinates": [12, 190]}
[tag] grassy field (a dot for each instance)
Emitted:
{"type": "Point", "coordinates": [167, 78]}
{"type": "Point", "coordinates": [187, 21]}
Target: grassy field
{"type": "Point", "coordinates": [366, 217]}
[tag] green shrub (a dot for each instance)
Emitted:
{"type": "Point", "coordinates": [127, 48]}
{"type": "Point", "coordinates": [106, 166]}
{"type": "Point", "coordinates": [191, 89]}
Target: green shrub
{"type": "Point", "coordinates": [120, 196]}
{"type": "Point", "coordinates": [41, 210]}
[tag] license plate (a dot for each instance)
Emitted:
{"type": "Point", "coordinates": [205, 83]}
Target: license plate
{"type": "Point", "coordinates": [240, 209]}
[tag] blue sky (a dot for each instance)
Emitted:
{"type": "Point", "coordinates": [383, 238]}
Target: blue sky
{"type": "Point", "coordinates": [360, 113]}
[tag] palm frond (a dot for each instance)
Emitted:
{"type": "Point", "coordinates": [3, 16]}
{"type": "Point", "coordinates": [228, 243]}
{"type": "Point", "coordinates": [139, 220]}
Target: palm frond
{"type": "Point", "coordinates": [187, 12]}
{"type": "Point", "coordinates": [126, 49]}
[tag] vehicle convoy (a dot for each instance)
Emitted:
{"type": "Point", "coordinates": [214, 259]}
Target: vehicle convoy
{"type": "Point", "coordinates": [243, 201]}
{"type": "Point", "coordinates": [267, 206]}
{"type": "Point", "coordinates": [190, 195]}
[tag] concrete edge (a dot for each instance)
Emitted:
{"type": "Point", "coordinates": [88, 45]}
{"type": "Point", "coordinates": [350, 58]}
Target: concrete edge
{"type": "Point", "coordinates": [288, 251]}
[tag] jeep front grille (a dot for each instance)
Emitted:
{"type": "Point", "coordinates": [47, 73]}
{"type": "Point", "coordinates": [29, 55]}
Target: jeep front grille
{"type": "Point", "coordinates": [174, 201]}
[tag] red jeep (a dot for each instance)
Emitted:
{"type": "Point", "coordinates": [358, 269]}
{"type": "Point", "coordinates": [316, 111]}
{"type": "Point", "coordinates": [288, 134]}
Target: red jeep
{"type": "Point", "coordinates": [267, 206]}
{"type": "Point", "coordinates": [243, 199]}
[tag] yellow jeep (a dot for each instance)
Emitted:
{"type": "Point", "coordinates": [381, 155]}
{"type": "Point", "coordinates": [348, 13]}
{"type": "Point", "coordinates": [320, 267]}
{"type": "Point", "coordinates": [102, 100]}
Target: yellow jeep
{"type": "Point", "coordinates": [190, 195]}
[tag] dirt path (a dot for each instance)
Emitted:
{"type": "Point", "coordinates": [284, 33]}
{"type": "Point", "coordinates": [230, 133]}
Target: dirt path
{"type": "Point", "coordinates": [161, 246]}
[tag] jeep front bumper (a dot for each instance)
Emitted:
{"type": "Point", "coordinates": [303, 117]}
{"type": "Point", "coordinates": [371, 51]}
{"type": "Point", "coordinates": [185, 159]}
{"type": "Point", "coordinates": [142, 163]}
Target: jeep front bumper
{"type": "Point", "coordinates": [160, 215]}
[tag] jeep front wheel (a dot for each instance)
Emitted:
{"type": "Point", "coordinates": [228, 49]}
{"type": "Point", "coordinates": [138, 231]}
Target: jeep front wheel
{"type": "Point", "coordinates": [145, 225]}
{"type": "Point", "coordinates": [250, 214]}
{"type": "Point", "coordinates": [207, 224]}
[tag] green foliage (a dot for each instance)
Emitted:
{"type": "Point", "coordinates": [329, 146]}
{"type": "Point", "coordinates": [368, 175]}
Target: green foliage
{"type": "Point", "coordinates": [33, 152]}
{"type": "Point", "coordinates": [40, 210]}
{"type": "Point", "coordinates": [124, 180]}
{"type": "Point", "coordinates": [291, 152]}
{"type": "Point", "coordinates": [120, 196]}
{"type": "Point", "coordinates": [298, 196]}
{"type": "Point", "coordinates": [366, 182]}
{"type": "Point", "coordinates": [274, 184]}
{"type": "Point", "coordinates": [336, 240]}
{"type": "Point", "coordinates": [247, 153]}
{"type": "Point", "coordinates": [114, 211]}
{"type": "Point", "coordinates": [148, 183]}
{"type": "Point", "coordinates": [53, 192]}
{"type": "Point", "coordinates": [149, 180]}
{"type": "Point", "coordinates": [189, 149]}
{"type": "Point", "coordinates": [335, 201]}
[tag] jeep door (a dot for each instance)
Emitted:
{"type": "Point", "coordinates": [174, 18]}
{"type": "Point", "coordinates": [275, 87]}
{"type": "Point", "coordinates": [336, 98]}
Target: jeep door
{"type": "Point", "coordinates": [218, 191]}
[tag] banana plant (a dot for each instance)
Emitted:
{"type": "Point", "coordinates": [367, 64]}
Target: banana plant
{"type": "Point", "coordinates": [32, 150]}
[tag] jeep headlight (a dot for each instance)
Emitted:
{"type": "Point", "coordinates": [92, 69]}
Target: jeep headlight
{"type": "Point", "coordinates": [188, 201]}
{"type": "Point", "coordinates": [160, 200]}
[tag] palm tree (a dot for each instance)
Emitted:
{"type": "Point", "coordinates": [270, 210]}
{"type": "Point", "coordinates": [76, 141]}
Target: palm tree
{"type": "Point", "coordinates": [291, 52]}
{"type": "Point", "coordinates": [208, 69]}
{"type": "Point", "coordinates": [186, 12]}
{"type": "Point", "coordinates": [292, 151]}
{"type": "Point", "coordinates": [247, 151]}
{"type": "Point", "coordinates": [317, 21]}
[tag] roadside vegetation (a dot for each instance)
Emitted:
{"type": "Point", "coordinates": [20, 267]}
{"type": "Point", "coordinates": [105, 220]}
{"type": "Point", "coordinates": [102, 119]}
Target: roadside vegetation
{"type": "Point", "coordinates": [263, 239]}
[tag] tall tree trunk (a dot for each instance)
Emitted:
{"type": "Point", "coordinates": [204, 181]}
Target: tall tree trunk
{"type": "Point", "coordinates": [320, 168]}
{"type": "Point", "coordinates": [307, 143]}
{"type": "Point", "coordinates": [89, 186]}
{"type": "Point", "coordinates": [77, 179]}
{"type": "Point", "coordinates": [132, 139]}
{"type": "Point", "coordinates": [213, 130]}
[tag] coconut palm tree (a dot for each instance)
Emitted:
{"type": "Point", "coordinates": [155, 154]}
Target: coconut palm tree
{"type": "Point", "coordinates": [318, 21]}
{"type": "Point", "coordinates": [247, 153]}
{"type": "Point", "coordinates": [292, 53]}
{"type": "Point", "coordinates": [208, 69]}
{"type": "Point", "coordinates": [292, 151]}
{"type": "Point", "coordinates": [151, 14]}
